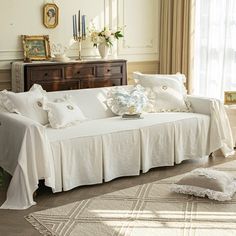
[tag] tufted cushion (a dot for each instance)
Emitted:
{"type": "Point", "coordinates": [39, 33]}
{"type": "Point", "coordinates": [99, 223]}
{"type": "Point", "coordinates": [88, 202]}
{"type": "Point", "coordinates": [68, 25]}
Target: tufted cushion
{"type": "Point", "coordinates": [201, 182]}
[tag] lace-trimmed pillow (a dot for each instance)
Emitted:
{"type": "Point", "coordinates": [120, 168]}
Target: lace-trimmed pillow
{"type": "Point", "coordinates": [127, 100]}
{"type": "Point", "coordinates": [216, 185]}
{"type": "Point", "coordinates": [166, 93]}
{"type": "Point", "coordinates": [63, 112]}
{"type": "Point", "coordinates": [27, 103]}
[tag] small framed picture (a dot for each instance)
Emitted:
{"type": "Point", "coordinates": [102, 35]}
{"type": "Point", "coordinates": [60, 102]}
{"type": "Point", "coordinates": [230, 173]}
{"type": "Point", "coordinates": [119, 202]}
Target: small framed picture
{"type": "Point", "coordinates": [230, 97]}
{"type": "Point", "coordinates": [36, 47]}
{"type": "Point", "coordinates": [50, 15]}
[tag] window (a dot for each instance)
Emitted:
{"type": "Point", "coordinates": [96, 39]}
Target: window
{"type": "Point", "coordinates": [215, 47]}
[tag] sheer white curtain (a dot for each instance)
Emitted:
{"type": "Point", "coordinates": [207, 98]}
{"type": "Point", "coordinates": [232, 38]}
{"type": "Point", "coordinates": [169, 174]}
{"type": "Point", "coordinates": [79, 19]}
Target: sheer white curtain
{"type": "Point", "coordinates": [215, 47]}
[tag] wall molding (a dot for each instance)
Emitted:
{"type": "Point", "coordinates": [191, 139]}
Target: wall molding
{"type": "Point", "coordinates": [113, 13]}
{"type": "Point", "coordinates": [149, 45]}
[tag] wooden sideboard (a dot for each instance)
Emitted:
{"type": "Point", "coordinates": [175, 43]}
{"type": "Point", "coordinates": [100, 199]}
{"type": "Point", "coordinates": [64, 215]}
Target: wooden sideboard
{"type": "Point", "coordinates": [54, 76]}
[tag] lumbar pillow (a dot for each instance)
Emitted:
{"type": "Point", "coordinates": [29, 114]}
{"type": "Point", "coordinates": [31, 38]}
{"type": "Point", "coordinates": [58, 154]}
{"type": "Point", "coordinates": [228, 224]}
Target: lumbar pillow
{"type": "Point", "coordinates": [27, 104]}
{"type": "Point", "coordinates": [202, 182]}
{"type": "Point", "coordinates": [127, 100]}
{"type": "Point", "coordinates": [165, 92]}
{"type": "Point", "coordinates": [63, 112]}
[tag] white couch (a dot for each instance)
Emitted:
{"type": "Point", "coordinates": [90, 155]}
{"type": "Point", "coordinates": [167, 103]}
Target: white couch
{"type": "Point", "coordinates": [105, 146]}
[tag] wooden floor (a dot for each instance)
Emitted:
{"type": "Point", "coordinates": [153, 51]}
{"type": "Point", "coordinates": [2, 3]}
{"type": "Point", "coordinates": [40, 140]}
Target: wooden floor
{"type": "Point", "coordinates": [13, 223]}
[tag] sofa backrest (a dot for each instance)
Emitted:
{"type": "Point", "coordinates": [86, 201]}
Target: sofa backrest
{"type": "Point", "coordinates": [92, 101]}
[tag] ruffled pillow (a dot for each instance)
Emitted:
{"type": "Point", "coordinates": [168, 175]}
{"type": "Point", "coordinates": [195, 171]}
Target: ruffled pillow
{"type": "Point", "coordinates": [27, 103]}
{"type": "Point", "coordinates": [201, 182]}
{"type": "Point", "coordinates": [126, 100]}
{"type": "Point", "coordinates": [166, 93]}
{"type": "Point", "coordinates": [63, 112]}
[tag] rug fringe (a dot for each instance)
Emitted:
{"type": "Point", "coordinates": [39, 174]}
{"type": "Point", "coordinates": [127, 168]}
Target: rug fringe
{"type": "Point", "coordinates": [38, 226]}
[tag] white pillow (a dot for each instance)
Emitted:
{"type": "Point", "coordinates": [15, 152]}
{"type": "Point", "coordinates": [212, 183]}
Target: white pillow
{"type": "Point", "coordinates": [27, 103]}
{"type": "Point", "coordinates": [165, 92]}
{"type": "Point", "coordinates": [63, 113]}
{"type": "Point", "coordinates": [126, 100]}
{"type": "Point", "coordinates": [2, 107]}
{"type": "Point", "coordinates": [202, 182]}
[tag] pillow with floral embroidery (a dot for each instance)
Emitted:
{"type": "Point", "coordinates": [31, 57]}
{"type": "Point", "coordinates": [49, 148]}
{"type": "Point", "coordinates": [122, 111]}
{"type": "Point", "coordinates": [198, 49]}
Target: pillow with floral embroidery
{"type": "Point", "coordinates": [127, 100]}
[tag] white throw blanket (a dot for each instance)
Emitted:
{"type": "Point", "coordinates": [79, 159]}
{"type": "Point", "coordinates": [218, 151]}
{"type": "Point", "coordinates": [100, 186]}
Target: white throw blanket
{"type": "Point", "coordinates": [35, 160]}
{"type": "Point", "coordinates": [25, 139]}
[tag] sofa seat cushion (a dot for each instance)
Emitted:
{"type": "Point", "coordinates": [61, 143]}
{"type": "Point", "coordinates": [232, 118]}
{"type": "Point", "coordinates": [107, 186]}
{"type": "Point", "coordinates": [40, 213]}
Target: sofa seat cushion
{"type": "Point", "coordinates": [117, 124]}
{"type": "Point", "coordinates": [113, 147]}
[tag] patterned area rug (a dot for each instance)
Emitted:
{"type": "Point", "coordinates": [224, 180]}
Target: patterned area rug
{"type": "Point", "coordinates": [144, 210]}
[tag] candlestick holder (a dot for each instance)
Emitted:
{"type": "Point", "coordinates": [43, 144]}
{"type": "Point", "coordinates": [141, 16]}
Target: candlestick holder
{"type": "Point", "coordinates": [79, 39]}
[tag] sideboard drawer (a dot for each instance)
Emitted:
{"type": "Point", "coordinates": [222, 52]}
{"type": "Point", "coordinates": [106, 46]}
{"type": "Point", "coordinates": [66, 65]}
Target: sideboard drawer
{"type": "Point", "coordinates": [79, 71]}
{"type": "Point", "coordinates": [69, 75]}
{"type": "Point", "coordinates": [99, 82]}
{"type": "Point", "coordinates": [36, 74]}
{"type": "Point", "coordinates": [56, 86]}
{"type": "Point", "coordinates": [109, 70]}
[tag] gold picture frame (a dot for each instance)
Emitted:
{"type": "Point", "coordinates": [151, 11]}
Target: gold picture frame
{"type": "Point", "coordinates": [230, 97]}
{"type": "Point", "coordinates": [36, 47]}
{"type": "Point", "coordinates": [50, 15]}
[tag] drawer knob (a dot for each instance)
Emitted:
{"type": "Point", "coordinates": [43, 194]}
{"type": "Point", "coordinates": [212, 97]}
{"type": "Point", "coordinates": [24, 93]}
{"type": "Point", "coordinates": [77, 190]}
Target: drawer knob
{"type": "Point", "coordinates": [78, 72]}
{"type": "Point", "coordinates": [108, 70]}
{"type": "Point", "coordinates": [45, 74]}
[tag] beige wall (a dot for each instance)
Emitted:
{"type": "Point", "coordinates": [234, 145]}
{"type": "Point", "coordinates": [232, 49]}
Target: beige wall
{"type": "Point", "coordinates": [5, 79]}
{"type": "Point", "coordinates": [139, 45]}
{"type": "Point", "coordinates": [148, 67]}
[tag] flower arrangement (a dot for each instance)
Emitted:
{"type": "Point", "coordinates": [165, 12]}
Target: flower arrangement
{"type": "Point", "coordinates": [104, 36]}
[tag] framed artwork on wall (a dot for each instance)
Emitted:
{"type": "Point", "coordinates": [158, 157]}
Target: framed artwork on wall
{"type": "Point", "coordinates": [36, 47]}
{"type": "Point", "coordinates": [230, 97]}
{"type": "Point", "coordinates": [50, 15]}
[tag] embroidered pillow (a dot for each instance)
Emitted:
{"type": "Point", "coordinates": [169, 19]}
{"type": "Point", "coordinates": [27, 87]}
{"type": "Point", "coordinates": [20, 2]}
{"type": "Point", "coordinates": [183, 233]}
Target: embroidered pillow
{"type": "Point", "coordinates": [165, 92]}
{"type": "Point", "coordinates": [202, 182]}
{"type": "Point", "coordinates": [63, 113]}
{"type": "Point", "coordinates": [27, 103]}
{"type": "Point", "coordinates": [127, 100]}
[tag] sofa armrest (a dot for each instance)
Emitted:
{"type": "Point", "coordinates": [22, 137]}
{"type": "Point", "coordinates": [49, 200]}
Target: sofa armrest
{"type": "Point", "coordinates": [220, 132]}
{"type": "Point", "coordinates": [26, 154]}
{"type": "Point", "coordinates": [12, 130]}
{"type": "Point", "coordinates": [200, 105]}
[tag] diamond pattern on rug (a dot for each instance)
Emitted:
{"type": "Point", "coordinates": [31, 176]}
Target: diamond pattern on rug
{"type": "Point", "coordinates": [144, 210]}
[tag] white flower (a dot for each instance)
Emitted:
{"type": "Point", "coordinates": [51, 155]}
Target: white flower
{"type": "Point", "coordinates": [106, 35]}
